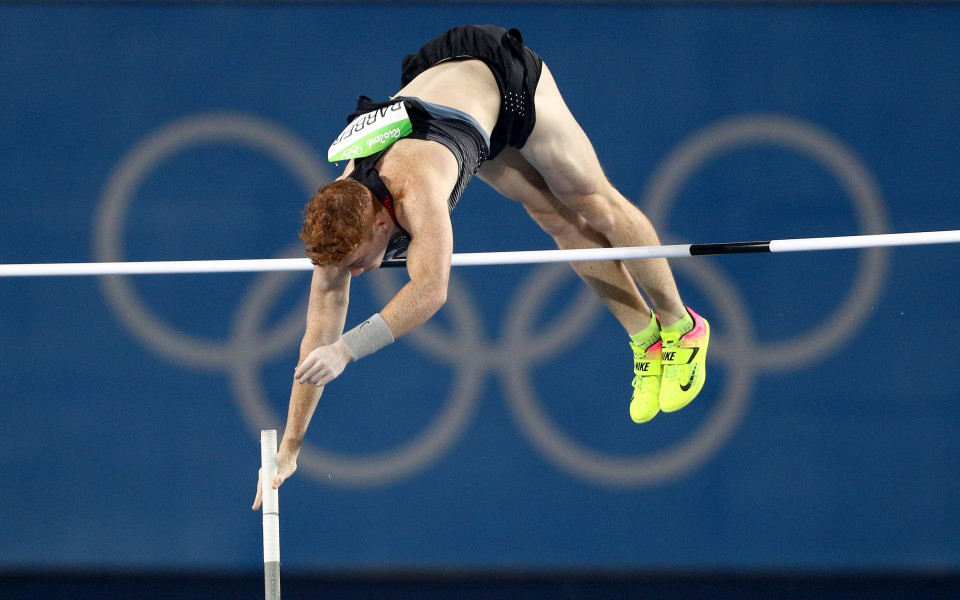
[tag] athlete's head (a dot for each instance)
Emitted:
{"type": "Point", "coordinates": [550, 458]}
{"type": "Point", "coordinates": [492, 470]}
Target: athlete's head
{"type": "Point", "coordinates": [334, 221]}
{"type": "Point", "coordinates": [340, 225]}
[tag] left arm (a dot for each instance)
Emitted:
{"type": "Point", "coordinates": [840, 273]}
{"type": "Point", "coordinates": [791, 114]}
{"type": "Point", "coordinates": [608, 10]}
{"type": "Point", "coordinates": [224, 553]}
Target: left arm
{"type": "Point", "coordinates": [420, 202]}
{"type": "Point", "coordinates": [428, 264]}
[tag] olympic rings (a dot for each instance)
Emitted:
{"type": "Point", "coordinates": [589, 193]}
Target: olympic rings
{"type": "Point", "coordinates": [520, 348]}
{"type": "Point", "coordinates": [220, 128]}
{"type": "Point", "coordinates": [824, 148]}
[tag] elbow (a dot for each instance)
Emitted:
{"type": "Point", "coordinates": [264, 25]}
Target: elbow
{"type": "Point", "coordinates": [435, 297]}
{"type": "Point", "coordinates": [438, 298]}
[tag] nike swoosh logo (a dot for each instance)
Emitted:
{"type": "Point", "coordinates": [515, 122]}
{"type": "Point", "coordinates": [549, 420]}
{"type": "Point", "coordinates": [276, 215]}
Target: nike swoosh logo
{"type": "Point", "coordinates": [689, 383]}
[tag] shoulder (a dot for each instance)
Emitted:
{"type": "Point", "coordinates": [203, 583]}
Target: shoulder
{"type": "Point", "coordinates": [419, 159]}
{"type": "Point", "coordinates": [420, 174]}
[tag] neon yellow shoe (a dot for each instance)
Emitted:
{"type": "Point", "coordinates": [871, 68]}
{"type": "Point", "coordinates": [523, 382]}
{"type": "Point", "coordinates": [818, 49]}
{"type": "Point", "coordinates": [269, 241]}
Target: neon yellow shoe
{"type": "Point", "coordinates": [683, 363]}
{"type": "Point", "coordinates": [646, 382]}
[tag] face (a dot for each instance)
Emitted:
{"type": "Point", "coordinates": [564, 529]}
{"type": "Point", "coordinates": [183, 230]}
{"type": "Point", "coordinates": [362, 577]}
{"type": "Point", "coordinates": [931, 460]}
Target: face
{"type": "Point", "coordinates": [369, 253]}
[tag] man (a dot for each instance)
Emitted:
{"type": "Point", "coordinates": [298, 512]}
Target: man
{"type": "Point", "coordinates": [476, 101]}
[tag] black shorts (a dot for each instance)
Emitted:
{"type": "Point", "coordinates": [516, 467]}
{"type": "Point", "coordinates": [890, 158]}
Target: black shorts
{"type": "Point", "coordinates": [515, 67]}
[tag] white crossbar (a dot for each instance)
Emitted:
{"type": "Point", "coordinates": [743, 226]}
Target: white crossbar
{"type": "Point", "coordinates": [492, 258]}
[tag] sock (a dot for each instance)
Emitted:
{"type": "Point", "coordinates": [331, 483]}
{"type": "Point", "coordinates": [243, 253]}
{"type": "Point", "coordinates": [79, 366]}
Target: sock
{"type": "Point", "coordinates": [683, 326]}
{"type": "Point", "coordinates": [650, 335]}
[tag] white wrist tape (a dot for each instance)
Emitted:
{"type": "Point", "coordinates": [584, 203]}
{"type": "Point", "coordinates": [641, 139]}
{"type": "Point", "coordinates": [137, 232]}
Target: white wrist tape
{"type": "Point", "coordinates": [368, 337]}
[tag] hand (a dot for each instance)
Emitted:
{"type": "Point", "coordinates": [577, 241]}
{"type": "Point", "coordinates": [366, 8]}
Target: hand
{"type": "Point", "coordinates": [323, 365]}
{"type": "Point", "coordinates": [286, 465]}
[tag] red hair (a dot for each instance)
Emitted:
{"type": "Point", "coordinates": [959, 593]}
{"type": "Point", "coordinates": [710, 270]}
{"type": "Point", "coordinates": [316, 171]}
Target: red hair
{"type": "Point", "coordinates": [334, 221]}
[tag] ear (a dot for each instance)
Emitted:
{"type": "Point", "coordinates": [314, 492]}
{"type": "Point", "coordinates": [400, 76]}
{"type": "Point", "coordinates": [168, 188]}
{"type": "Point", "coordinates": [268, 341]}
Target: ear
{"type": "Point", "coordinates": [381, 219]}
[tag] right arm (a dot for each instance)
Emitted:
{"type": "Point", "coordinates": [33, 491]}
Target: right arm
{"type": "Point", "coordinates": [326, 316]}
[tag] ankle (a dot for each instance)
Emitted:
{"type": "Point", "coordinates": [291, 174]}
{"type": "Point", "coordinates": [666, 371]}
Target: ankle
{"type": "Point", "coordinates": [649, 335]}
{"type": "Point", "coordinates": [682, 326]}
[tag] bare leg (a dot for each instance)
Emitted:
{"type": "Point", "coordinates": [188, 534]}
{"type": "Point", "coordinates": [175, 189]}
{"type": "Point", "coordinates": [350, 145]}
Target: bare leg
{"type": "Point", "coordinates": [512, 176]}
{"type": "Point", "coordinates": [563, 155]}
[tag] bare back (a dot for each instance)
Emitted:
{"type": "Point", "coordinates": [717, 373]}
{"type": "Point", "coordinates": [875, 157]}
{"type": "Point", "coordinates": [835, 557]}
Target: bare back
{"type": "Point", "coordinates": [425, 169]}
{"type": "Point", "coordinates": [466, 85]}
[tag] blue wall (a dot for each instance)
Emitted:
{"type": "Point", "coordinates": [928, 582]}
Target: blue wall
{"type": "Point", "coordinates": [498, 435]}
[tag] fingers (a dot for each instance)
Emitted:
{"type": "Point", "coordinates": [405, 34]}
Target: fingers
{"type": "Point", "coordinates": [314, 372]}
{"type": "Point", "coordinates": [311, 378]}
{"type": "Point", "coordinates": [322, 366]}
{"type": "Point", "coordinates": [276, 483]}
{"type": "Point", "coordinates": [308, 371]}
{"type": "Point", "coordinates": [303, 369]}
{"type": "Point", "coordinates": [259, 498]}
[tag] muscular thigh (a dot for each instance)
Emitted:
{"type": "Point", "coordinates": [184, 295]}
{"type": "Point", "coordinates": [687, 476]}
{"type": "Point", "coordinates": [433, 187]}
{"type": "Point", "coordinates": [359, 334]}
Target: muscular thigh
{"type": "Point", "coordinates": [515, 178]}
{"type": "Point", "coordinates": [512, 176]}
{"type": "Point", "coordinates": [558, 147]}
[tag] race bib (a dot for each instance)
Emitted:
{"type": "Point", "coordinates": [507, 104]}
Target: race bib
{"type": "Point", "coordinates": [371, 132]}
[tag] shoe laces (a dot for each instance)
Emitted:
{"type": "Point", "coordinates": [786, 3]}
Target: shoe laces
{"type": "Point", "coordinates": [639, 352]}
{"type": "Point", "coordinates": [677, 372]}
{"type": "Point", "coordinates": [644, 383]}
